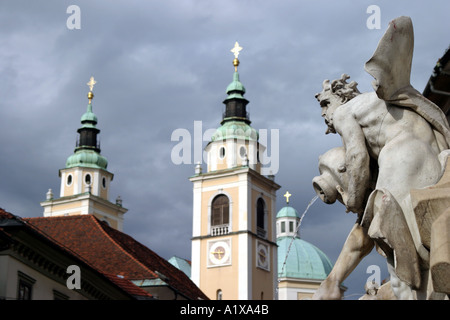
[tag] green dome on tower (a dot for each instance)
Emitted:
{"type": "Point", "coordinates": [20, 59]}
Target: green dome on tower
{"type": "Point", "coordinates": [235, 122]}
{"type": "Point", "coordinates": [235, 130]}
{"type": "Point", "coordinates": [87, 158]}
{"type": "Point", "coordinates": [235, 103]}
{"type": "Point", "coordinates": [304, 260]}
{"type": "Point", "coordinates": [297, 258]}
{"type": "Point", "coordinates": [87, 151]}
{"type": "Point", "coordinates": [288, 212]}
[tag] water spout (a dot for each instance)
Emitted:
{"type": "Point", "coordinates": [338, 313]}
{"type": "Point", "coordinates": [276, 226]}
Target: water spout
{"type": "Point", "coordinates": [296, 231]}
{"type": "Point", "coordinates": [306, 210]}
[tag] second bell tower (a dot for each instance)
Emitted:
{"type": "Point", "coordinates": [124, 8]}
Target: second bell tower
{"type": "Point", "coordinates": [85, 179]}
{"type": "Point", "coordinates": [234, 251]}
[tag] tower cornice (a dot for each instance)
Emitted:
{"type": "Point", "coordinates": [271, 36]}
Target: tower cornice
{"type": "Point", "coordinates": [236, 171]}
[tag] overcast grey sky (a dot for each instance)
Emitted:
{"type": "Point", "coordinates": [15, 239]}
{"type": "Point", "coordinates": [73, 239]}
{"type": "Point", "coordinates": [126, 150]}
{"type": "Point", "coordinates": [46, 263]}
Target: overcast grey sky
{"type": "Point", "coordinates": [161, 65]}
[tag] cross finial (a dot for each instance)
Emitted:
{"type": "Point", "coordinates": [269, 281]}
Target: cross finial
{"type": "Point", "coordinates": [287, 195]}
{"type": "Point", "coordinates": [236, 49]}
{"type": "Point", "coordinates": [91, 83]}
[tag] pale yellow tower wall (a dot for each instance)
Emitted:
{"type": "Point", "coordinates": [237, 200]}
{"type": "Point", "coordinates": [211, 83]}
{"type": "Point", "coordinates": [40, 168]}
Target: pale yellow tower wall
{"type": "Point", "coordinates": [297, 289]}
{"type": "Point", "coordinates": [78, 183]}
{"type": "Point", "coordinates": [112, 223]}
{"type": "Point", "coordinates": [227, 186]}
{"type": "Point", "coordinates": [259, 191]}
{"type": "Point", "coordinates": [233, 157]}
{"type": "Point", "coordinates": [104, 212]}
{"type": "Point", "coordinates": [226, 278]}
{"type": "Point", "coordinates": [67, 208]}
{"type": "Point", "coordinates": [213, 277]}
{"type": "Point", "coordinates": [67, 189]}
{"type": "Point", "coordinates": [263, 281]}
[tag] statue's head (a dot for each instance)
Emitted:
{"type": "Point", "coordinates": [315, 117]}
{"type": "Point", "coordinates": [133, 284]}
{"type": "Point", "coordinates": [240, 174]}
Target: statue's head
{"type": "Point", "coordinates": [333, 95]}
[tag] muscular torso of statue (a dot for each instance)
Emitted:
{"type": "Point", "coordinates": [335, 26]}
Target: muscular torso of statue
{"type": "Point", "coordinates": [383, 123]}
{"type": "Point", "coordinates": [399, 139]}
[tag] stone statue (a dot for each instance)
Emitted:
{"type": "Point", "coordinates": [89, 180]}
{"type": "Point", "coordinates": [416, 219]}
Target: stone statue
{"type": "Point", "coordinates": [392, 139]}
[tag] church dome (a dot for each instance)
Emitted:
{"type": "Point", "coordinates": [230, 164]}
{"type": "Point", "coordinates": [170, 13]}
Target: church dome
{"type": "Point", "coordinates": [87, 152]}
{"type": "Point", "coordinates": [297, 258]}
{"type": "Point", "coordinates": [287, 212]}
{"type": "Point", "coordinates": [235, 130]}
{"type": "Point", "coordinates": [87, 158]}
{"type": "Point", "coordinates": [304, 261]}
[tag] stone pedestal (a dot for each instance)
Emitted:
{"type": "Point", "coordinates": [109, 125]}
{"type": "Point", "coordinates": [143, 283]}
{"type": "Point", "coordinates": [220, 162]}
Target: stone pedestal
{"type": "Point", "coordinates": [440, 253]}
{"type": "Point", "coordinates": [432, 210]}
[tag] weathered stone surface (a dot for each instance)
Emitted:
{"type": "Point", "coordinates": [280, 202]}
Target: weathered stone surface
{"type": "Point", "coordinates": [440, 253]}
{"type": "Point", "coordinates": [429, 203]}
{"type": "Point", "coordinates": [332, 182]}
{"type": "Point", "coordinates": [389, 170]}
{"type": "Point", "coordinates": [384, 292]}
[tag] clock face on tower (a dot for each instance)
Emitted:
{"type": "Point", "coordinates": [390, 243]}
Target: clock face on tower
{"type": "Point", "coordinates": [219, 252]}
{"type": "Point", "coordinates": [262, 255]}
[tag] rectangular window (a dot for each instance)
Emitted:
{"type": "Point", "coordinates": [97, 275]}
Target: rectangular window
{"type": "Point", "coordinates": [291, 226]}
{"type": "Point", "coordinates": [24, 286]}
{"type": "Point", "coordinates": [283, 227]}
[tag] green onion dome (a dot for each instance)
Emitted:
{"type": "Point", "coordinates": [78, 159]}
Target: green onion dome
{"type": "Point", "coordinates": [87, 158]}
{"type": "Point", "coordinates": [235, 130]}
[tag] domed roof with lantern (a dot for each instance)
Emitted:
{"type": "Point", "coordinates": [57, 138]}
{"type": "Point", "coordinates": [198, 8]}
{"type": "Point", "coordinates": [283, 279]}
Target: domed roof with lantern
{"type": "Point", "coordinates": [298, 258]}
{"type": "Point", "coordinates": [236, 122]}
{"type": "Point", "coordinates": [87, 151]}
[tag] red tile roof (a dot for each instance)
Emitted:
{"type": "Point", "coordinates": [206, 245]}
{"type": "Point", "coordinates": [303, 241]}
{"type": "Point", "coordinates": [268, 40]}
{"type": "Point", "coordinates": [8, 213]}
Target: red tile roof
{"type": "Point", "coordinates": [127, 286]}
{"type": "Point", "coordinates": [6, 215]}
{"type": "Point", "coordinates": [113, 252]}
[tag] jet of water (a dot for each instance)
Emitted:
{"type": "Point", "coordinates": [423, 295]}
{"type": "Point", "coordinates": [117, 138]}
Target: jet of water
{"type": "Point", "coordinates": [296, 231]}
{"type": "Point", "coordinates": [306, 210]}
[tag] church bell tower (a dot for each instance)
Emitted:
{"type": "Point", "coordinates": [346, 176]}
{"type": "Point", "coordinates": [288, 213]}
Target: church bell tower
{"type": "Point", "coordinates": [85, 179]}
{"type": "Point", "coordinates": [234, 252]}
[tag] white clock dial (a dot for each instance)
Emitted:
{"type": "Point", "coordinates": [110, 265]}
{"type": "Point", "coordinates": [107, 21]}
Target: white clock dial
{"type": "Point", "coordinates": [219, 252]}
{"type": "Point", "coordinates": [263, 256]}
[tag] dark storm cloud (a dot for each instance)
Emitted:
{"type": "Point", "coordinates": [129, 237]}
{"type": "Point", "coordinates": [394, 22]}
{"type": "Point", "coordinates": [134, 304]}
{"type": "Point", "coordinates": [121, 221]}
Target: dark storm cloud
{"type": "Point", "coordinates": [160, 66]}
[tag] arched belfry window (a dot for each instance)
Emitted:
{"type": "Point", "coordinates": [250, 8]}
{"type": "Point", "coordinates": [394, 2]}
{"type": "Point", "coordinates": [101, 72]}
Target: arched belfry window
{"type": "Point", "coordinates": [220, 215]}
{"type": "Point", "coordinates": [261, 217]}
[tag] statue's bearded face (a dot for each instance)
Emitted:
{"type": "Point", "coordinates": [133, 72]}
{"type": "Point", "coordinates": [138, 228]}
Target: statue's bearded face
{"type": "Point", "coordinates": [334, 94]}
{"type": "Point", "coordinates": [328, 103]}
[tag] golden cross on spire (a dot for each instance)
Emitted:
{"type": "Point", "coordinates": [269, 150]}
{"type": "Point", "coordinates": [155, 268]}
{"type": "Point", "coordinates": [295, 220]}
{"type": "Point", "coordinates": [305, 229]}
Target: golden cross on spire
{"type": "Point", "coordinates": [91, 83]}
{"type": "Point", "coordinates": [287, 195]}
{"type": "Point", "coordinates": [236, 51]}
